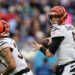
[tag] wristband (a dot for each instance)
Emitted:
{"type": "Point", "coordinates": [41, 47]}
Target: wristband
{"type": "Point", "coordinates": [43, 50]}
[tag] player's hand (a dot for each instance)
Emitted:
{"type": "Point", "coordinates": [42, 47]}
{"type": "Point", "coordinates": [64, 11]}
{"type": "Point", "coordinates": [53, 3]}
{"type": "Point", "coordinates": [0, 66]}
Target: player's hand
{"type": "Point", "coordinates": [46, 42]}
{"type": "Point", "coordinates": [36, 45]}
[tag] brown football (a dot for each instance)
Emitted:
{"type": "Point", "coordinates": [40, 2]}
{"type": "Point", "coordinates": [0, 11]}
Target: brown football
{"type": "Point", "coordinates": [45, 43]}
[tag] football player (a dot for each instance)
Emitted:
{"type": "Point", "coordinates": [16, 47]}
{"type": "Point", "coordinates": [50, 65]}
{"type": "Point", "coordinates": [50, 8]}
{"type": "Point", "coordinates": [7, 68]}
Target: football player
{"type": "Point", "coordinates": [10, 55]}
{"type": "Point", "coordinates": [62, 42]}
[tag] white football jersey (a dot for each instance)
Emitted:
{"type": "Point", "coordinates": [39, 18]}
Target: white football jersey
{"type": "Point", "coordinates": [66, 50]}
{"type": "Point", "coordinates": [20, 61]}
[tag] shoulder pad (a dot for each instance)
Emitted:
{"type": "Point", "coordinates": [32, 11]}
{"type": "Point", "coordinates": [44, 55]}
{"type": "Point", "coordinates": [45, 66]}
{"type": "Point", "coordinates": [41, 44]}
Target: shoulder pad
{"type": "Point", "coordinates": [2, 43]}
{"type": "Point", "coordinates": [55, 28]}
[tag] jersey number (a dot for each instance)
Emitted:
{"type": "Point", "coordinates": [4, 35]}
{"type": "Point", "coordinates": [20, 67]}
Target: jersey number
{"type": "Point", "coordinates": [19, 55]}
{"type": "Point", "coordinates": [73, 36]}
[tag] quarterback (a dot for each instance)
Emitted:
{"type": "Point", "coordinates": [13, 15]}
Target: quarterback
{"type": "Point", "coordinates": [10, 56]}
{"type": "Point", "coordinates": [62, 42]}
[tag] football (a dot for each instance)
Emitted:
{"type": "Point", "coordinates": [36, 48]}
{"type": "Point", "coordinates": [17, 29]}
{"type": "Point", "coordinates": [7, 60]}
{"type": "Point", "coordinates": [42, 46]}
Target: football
{"type": "Point", "coordinates": [45, 43]}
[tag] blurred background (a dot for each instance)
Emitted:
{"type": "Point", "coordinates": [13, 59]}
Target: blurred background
{"type": "Point", "coordinates": [28, 21]}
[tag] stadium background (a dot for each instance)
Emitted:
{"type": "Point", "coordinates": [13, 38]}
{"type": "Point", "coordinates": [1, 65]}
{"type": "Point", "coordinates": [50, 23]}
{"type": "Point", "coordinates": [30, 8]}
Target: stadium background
{"type": "Point", "coordinates": [28, 22]}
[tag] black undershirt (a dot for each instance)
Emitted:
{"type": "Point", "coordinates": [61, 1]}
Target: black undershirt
{"type": "Point", "coordinates": [56, 41]}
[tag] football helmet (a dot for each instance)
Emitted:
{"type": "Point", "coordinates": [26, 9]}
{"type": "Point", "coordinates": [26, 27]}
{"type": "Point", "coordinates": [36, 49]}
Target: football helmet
{"type": "Point", "coordinates": [4, 28]}
{"type": "Point", "coordinates": [59, 11]}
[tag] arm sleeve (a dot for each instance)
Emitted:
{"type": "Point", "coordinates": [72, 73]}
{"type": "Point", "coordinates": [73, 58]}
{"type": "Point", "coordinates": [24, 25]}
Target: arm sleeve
{"type": "Point", "coordinates": [55, 44]}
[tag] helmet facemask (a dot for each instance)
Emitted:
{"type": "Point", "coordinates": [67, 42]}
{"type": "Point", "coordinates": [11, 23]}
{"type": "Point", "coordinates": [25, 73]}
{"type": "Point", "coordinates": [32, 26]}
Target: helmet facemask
{"type": "Point", "coordinates": [53, 19]}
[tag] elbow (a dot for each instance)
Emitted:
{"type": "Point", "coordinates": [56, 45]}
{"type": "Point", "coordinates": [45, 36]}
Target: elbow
{"type": "Point", "coordinates": [49, 54]}
{"type": "Point", "coordinates": [13, 67]}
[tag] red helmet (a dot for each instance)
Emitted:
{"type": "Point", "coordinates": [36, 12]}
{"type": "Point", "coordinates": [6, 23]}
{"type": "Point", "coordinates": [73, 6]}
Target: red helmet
{"type": "Point", "coordinates": [59, 11]}
{"type": "Point", "coordinates": [4, 28]}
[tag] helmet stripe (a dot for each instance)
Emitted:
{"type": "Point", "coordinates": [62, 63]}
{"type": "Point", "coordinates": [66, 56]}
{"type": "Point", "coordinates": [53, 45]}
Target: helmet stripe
{"type": "Point", "coordinates": [55, 11]}
{"type": "Point", "coordinates": [59, 10]}
{"type": "Point", "coordinates": [63, 9]}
